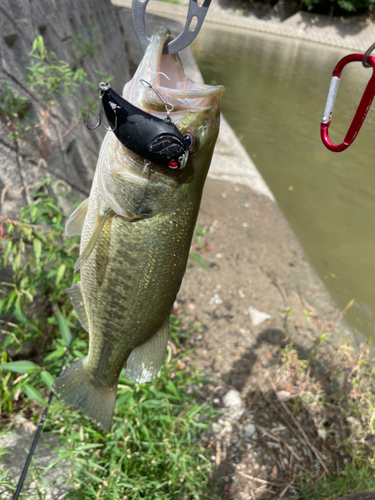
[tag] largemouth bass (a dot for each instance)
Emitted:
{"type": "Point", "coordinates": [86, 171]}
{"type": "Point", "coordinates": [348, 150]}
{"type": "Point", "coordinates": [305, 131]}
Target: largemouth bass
{"type": "Point", "coordinates": [136, 229]}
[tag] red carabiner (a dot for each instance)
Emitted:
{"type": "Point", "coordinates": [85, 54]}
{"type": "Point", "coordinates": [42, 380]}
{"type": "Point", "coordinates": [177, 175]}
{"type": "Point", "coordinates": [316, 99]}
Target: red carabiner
{"type": "Point", "coordinates": [361, 112]}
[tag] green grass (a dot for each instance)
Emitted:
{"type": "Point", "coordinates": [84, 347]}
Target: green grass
{"type": "Point", "coordinates": [334, 398]}
{"type": "Point", "coordinates": [154, 449]}
{"type": "Point", "coordinates": [354, 480]}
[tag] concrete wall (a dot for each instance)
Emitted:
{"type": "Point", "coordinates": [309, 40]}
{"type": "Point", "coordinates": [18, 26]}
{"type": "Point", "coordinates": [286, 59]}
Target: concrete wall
{"type": "Point", "coordinates": [73, 156]}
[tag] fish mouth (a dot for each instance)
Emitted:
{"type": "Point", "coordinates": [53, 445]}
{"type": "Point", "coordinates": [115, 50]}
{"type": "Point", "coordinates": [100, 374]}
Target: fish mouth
{"type": "Point", "coordinates": [165, 73]}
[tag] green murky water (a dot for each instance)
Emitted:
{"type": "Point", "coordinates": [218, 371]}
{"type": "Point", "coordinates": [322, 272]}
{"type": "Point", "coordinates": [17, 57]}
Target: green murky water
{"type": "Point", "coordinates": [275, 94]}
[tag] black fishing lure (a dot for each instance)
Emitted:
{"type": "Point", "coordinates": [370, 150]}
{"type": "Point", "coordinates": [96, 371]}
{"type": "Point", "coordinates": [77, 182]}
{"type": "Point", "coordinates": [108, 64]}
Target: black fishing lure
{"type": "Point", "coordinates": [154, 139]}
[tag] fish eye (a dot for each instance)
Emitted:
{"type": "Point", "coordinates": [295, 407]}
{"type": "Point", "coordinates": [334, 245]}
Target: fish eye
{"type": "Point", "coordinates": [190, 141]}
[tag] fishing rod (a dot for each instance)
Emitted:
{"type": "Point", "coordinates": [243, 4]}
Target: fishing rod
{"type": "Point", "coordinates": [42, 420]}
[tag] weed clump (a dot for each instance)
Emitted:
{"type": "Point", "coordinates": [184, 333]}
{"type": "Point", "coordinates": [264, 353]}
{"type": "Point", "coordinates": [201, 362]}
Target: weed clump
{"type": "Point", "coordinates": [155, 447]}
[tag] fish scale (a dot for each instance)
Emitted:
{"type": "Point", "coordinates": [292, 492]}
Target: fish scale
{"type": "Point", "coordinates": [145, 308]}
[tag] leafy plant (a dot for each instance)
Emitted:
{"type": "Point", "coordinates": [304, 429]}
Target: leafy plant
{"type": "Point", "coordinates": [334, 396]}
{"type": "Point", "coordinates": [50, 77]}
{"type": "Point", "coordinates": [85, 44]}
{"type": "Point", "coordinates": [13, 108]}
{"type": "Point", "coordinates": [327, 7]}
{"type": "Point", "coordinates": [340, 6]}
{"type": "Point", "coordinates": [153, 450]}
{"type": "Point", "coordinates": [354, 479]}
{"type": "Point", "coordinates": [41, 260]}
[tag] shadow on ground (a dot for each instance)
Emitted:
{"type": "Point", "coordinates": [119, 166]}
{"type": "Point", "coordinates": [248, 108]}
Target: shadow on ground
{"type": "Point", "coordinates": [257, 364]}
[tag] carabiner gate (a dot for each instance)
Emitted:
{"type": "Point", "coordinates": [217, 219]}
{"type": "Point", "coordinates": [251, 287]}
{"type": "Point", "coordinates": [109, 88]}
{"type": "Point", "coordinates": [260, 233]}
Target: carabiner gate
{"type": "Point", "coordinates": [361, 112]}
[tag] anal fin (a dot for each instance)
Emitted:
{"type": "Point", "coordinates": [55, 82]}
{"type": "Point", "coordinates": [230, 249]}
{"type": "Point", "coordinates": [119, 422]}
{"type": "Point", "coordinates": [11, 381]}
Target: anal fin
{"type": "Point", "coordinates": [99, 223]}
{"type": "Point", "coordinates": [145, 361]}
{"type": "Point", "coordinates": [75, 222]}
{"type": "Point", "coordinates": [75, 292]}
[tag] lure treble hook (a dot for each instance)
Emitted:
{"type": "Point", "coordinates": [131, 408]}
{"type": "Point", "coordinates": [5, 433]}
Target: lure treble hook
{"type": "Point", "coordinates": [168, 106]}
{"type": "Point", "coordinates": [102, 88]}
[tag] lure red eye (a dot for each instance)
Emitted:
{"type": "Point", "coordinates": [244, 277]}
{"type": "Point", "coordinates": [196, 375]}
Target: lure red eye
{"type": "Point", "coordinates": [173, 164]}
{"type": "Point", "coordinates": [190, 141]}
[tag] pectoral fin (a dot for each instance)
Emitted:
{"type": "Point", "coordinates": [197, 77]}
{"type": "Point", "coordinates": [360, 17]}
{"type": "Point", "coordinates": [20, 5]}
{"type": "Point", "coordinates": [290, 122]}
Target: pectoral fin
{"type": "Point", "coordinates": [75, 222]}
{"type": "Point", "coordinates": [75, 292]}
{"type": "Point", "coordinates": [99, 223]}
{"type": "Point", "coordinates": [145, 361]}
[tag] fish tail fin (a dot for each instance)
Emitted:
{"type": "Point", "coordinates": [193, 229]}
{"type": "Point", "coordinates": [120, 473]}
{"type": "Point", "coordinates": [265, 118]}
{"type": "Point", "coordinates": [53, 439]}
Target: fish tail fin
{"type": "Point", "coordinates": [76, 387]}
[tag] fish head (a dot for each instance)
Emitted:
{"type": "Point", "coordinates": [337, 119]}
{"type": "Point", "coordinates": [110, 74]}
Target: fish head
{"type": "Point", "coordinates": [160, 88]}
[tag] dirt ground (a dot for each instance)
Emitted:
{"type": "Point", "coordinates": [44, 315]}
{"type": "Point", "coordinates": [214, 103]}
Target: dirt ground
{"type": "Point", "coordinates": [254, 261]}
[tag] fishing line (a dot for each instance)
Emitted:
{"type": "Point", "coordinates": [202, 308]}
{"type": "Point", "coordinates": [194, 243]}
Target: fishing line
{"type": "Point", "coordinates": [42, 420]}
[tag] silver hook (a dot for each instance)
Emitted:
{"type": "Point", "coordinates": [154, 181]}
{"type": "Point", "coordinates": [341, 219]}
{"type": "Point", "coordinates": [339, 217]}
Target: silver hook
{"type": "Point", "coordinates": [102, 88]}
{"type": "Point", "coordinates": [109, 128]}
{"type": "Point", "coordinates": [184, 39]}
{"type": "Point", "coordinates": [99, 122]}
{"type": "Point", "coordinates": [168, 106]}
